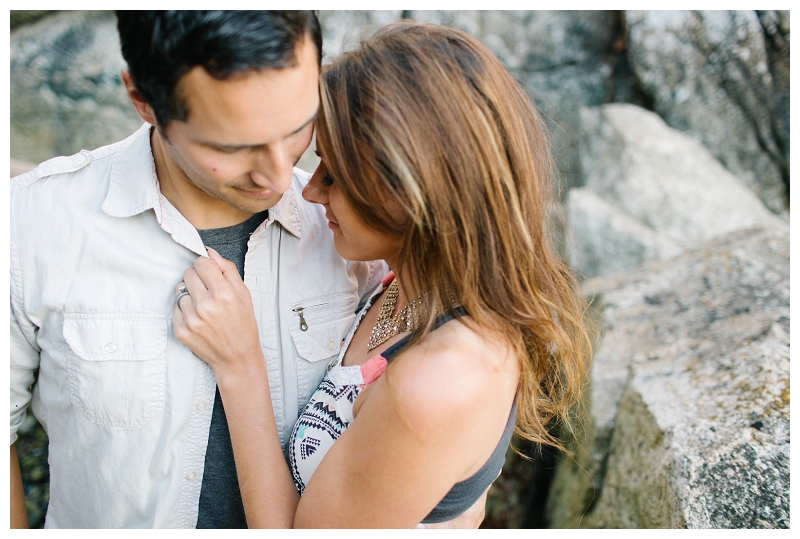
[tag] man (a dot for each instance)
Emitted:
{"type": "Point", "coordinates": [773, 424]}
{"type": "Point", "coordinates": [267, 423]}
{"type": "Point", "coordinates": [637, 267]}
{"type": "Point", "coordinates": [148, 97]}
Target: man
{"type": "Point", "coordinates": [99, 240]}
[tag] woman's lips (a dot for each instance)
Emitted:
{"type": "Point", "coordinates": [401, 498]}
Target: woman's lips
{"type": "Point", "coordinates": [333, 225]}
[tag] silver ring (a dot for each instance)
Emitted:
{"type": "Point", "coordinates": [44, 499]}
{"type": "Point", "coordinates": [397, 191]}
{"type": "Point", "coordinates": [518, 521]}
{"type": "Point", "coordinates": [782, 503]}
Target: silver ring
{"type": "Point", "coordinates": [181, 292]}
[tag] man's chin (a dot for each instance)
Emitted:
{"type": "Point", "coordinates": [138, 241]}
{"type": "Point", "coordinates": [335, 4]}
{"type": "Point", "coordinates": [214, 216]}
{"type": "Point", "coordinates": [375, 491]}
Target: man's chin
{"type": "Point", "coordinates": [250, 204]}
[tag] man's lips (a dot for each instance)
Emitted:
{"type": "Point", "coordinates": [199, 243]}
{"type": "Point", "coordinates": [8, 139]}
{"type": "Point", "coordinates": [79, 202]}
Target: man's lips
{"type": "Point", "coordinates": [331, 223]}
{"type": "Point", "coordinates": [258, 193]}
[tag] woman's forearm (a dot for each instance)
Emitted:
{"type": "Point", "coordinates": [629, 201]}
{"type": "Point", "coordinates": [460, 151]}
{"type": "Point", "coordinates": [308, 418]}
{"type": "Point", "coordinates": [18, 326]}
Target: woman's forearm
{"type": "Point", "coordinates": [217, 322]}
{"type": "Point", "coordinates": [268, 492]}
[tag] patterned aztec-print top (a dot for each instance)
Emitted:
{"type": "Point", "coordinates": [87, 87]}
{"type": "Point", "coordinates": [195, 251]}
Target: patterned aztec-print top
{"type": "Point", "coordinates": [330, 412]}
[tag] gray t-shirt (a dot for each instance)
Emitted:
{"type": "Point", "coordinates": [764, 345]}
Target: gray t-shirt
{"type": "Point", "coordinates": [220, 500]}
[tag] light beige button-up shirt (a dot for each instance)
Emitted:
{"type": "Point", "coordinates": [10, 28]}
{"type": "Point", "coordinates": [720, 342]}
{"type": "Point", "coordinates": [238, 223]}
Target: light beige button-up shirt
{"type": "Point", "coordinates": [96, 253]}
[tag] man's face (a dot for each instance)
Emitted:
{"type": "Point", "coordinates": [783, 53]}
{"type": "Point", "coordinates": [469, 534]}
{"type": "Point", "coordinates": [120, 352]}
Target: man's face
{"type": "Point", "coordinates": [244, 134]}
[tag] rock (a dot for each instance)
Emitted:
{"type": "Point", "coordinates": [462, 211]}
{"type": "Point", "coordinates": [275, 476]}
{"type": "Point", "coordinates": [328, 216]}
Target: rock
{"type": "Point", "coordinates": [20, 167]}
{"type": "Point", "coordinates": [27, 16]}
{"type": "Point", "coordinates": [559, 95]}
{"type": "Point", "coordinates": [656, 192]}
{"type": "Point", "coordinates": [518, 496]}
{"type": "Point", "coordinates": [605, 239]}
{"type": "Point", "coordinates": [342, 29]}
{"type": "Point", "coordinates": [688, 416]}
{"type": "Point", "coordinates": [776, 40]}
{"type": "Point", "coordinates": [32, 452]}
{"type": "Point", "coordinates": [66, 92]}
{"type": "Point", "coordinates": [532, 41]}
{"type": "Point", "coordinates": [722, 77]}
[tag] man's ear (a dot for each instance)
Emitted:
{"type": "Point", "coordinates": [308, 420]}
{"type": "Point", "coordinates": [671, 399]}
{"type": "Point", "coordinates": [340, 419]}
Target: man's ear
{"type": "Point", "coordinates": [144, 110]}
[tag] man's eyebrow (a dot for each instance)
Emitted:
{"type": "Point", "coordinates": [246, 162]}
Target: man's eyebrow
{"type": "Point", "coordinates": [310, 120]}
{"type": "Point", "coordinates": [236, 147]}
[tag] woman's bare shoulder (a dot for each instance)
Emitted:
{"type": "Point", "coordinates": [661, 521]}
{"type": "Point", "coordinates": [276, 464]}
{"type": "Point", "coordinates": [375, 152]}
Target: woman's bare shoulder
{"type": "Point", "coordinates": [455, 379]}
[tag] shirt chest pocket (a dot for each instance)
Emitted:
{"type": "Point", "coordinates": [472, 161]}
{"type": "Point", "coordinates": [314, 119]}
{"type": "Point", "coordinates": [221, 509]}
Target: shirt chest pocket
{"type": "Point", "coordinates": [319, 324]}
{"type": "Point", "coordinates": [116, 365]}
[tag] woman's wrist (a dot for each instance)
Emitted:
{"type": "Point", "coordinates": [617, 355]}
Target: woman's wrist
{"type": "Point", "coordinates": [246, 370]}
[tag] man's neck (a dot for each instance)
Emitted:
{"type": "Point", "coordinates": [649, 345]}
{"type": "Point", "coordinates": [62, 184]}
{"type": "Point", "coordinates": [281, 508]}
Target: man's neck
{"type": "Point", "coordinates": [202, 210]}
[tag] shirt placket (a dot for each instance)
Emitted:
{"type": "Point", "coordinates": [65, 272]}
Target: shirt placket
{"type": "Point", "coordinates": [196, 444]}
{"type": "Point", "coordinates": [259, 279]}
{"type": "Point", "coordinates": [191, 476]}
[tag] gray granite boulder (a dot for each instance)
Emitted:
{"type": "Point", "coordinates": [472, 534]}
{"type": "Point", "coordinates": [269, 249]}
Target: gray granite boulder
{"type": "Point", "coordinates": [342, 29]}
{"type": "Point", "coordinates": [605, 239]}
{"type": "Point", "coordinates": [663, 193]}
{"type": "Point", "coordinates": [722, 77]}
{"type": "Point", "coordinates": [687, 423]}
{"type": "Point", "coordinates": [66, 92]}
{"type": "Point", "coordinates": [27, 16]}
{"type": "Point", "coordinates": [20, 167]}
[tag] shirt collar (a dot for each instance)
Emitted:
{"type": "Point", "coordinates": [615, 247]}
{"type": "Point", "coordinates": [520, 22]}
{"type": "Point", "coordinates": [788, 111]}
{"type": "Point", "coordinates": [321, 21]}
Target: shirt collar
{"type": "Point", "coordinates": [134, 185]}
{"type": "Point", "coordinates": [286, 211]}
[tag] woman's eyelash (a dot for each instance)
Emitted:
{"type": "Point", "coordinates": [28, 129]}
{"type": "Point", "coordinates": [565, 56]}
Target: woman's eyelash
{"type": "Point", "coordinates": [326, 180]}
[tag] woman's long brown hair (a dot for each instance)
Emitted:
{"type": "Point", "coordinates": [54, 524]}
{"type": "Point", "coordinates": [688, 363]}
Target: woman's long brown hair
{"type": "Point", "coordinates": [427, 116]}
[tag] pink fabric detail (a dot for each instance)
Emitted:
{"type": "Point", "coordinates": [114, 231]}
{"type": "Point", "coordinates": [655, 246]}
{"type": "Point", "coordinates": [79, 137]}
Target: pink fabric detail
{"type": "Point", "coordinates": [372, 369]}
{"type": "Point", "coordinates": [388, 279]}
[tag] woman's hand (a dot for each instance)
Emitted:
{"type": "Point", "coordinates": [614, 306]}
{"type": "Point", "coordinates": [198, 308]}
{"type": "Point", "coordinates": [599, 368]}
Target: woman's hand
{"type": "Point", "coordinates": [216, 318]}
{"type": "Point", "coordinates": [217, 322]}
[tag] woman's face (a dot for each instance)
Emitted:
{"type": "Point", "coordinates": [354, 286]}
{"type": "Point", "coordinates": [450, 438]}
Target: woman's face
{"type": "Point", "coordinates": [352, 239]}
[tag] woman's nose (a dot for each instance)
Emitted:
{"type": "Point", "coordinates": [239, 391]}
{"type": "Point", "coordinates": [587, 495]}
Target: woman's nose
{"type": "Point", "coordinates": [314, 191]}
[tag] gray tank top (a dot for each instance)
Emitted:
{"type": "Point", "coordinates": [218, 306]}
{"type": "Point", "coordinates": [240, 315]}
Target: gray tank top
{"type": "Point", "coordinates": [464, 494]}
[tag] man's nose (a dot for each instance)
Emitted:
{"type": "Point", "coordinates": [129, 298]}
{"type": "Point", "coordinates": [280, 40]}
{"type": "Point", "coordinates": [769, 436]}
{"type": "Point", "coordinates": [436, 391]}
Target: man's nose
{"type": "Point", "coordinates": [272, 168]}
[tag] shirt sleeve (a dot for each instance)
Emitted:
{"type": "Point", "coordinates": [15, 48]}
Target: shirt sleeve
{"type": "Point", "coordinates": [24, 356]}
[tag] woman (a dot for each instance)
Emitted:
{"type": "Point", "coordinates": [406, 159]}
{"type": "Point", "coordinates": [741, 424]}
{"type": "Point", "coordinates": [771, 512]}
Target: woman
{"type": "Point", "coordinates": [434, 160]}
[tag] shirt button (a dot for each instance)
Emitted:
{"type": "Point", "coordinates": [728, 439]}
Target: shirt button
{"type": "Point", "coordinates": [201, 406]}
{"type": "Point", "coordinates": [110, 348]}
{"type": "Point", "coordinates": [191, 476]}
{"type": "Point", "coordinates": [79, 159]}
{"type": "Point", "coordinates": [331, 345]}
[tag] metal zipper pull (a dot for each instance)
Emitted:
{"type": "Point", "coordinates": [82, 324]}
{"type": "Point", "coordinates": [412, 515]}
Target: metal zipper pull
{"type": "Point", "coordinates": [303, 325]}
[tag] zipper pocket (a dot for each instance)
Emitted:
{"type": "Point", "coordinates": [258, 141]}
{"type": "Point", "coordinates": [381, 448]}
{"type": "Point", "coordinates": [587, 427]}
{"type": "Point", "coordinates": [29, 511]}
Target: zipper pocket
{"type": "Point", "coordinates": [299, 311]}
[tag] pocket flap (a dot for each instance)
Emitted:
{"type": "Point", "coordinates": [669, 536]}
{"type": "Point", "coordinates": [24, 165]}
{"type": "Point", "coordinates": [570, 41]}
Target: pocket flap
{"type": "Point", "coordinates": [321, 340]}
{"type": "Point", "coordinates": [116, 337]}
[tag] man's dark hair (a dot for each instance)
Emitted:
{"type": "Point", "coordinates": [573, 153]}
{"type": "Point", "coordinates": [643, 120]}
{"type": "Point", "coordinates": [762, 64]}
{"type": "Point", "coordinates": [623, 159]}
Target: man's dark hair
{"type": "Point", "coordinates": [162, 46]}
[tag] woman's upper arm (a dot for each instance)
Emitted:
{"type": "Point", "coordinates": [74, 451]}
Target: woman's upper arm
{"type": "Point", "coordinates": [385, 471]}
{"type": "Point", "coordinates": [429, 422]}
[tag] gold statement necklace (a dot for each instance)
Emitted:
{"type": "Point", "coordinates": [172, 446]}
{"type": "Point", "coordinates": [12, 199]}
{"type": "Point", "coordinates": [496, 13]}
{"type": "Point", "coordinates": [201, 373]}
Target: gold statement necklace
{"type": "Point", "coordinates": [388, 326]}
